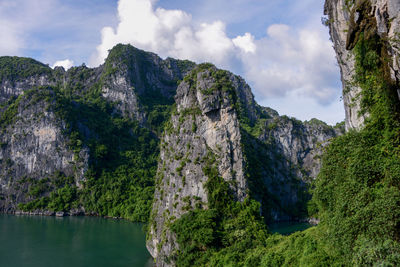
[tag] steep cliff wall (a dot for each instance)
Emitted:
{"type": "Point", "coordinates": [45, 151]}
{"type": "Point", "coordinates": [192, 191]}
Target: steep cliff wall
{"type": "Point", "coordinates": [59, 131]}
{"type": "Point", "coordinates": [357, 191]}
{"type": "Point", "coordinates": [299, 142]}
{"type": "Point", "coordinates": [204, 127]}
{"type": "Point", "coordinates": [138, 81]}
{"type": "Point", "coordinates": [348, 22]}
{"type": "Point", "coordinates": [34, 148]}
{"type": "Point", "coordinates": [20, 74]}
{"type": "Point", "coordinates": [217, 124]}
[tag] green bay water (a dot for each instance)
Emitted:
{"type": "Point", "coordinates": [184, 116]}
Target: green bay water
{"type": "Point", "coordinates": [40, 241]}
{"type": "Point", "coordinates": [287, 228]}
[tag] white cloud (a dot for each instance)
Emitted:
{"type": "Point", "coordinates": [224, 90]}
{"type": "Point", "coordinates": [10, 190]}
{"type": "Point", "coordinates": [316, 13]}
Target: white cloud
{"type": "Point", "coordinates": [245, 42]}
{"type": "Point", "coordinates": [305, 108]}
{"type": "Point", "coordinates": [51, 29]}
{"type": "Point", "coordinates": [166, 32]}
{"type": "Point", "coordinates": [289, 60]}
{"type": "Point", "coordinates": [17, 18]}
{"type": "Point", "coordinates": [66, 64]}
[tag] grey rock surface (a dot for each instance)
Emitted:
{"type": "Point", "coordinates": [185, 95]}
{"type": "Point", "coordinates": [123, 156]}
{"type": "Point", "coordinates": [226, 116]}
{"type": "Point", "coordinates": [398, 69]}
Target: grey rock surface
{"type": "Point", "coordinates": [203, 123]}
{"type": "Point", "coordinates": [137, 77]}
{"type": "Point", "coordinates": [34, 147]}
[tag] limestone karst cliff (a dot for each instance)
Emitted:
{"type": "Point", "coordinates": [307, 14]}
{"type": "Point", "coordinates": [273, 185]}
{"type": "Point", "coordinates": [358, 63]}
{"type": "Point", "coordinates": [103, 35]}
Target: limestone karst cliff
{"type": "Point", "coordinates": [59, 128]}
{"type": "Point", "coordinates": [33, 146]}
{"type": "Point", "coordinates": [357, 190]}
{"type": "Point", "coordinates": [216, 123]}
{"type": "Point", "coordinates": [348, 22]}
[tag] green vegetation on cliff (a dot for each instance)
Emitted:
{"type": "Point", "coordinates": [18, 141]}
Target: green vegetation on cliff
{"type": "Point", "coordinates": [123, 157]}
{"type": "Point", "coordinates": [357, 193]}
{"type": "Point", "coordinates": [221, 234]}
{"type": "Point", "coordinates": [232, 233]}
{"type": "Point", "coordinates": [19, 68]}
{"type": "Point", "coordinates": [358, 190]}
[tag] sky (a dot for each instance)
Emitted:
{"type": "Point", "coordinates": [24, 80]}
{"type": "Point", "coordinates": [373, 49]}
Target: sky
{"type": "Point", "coordinates": [280, 47]}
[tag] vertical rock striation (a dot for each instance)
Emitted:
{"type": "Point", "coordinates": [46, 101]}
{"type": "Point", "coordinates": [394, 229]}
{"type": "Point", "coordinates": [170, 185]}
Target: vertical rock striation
{"type": "Point", "coordinates": [136, 80]}
{"type": "Point", "coordinates": [33, 148]}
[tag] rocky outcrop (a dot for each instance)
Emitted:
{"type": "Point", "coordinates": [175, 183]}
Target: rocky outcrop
{"type": "Point", "coordinates": [205, 124]}
{"type": "Point", "coordinates": [283, 156]}
{"type": "Point", "coordinates": [299, 142]}
{"type": "Point", "coordinates": [34, 148]}
{"type": "Point", "coordinates": [20, 74]}
{"type": "Point", "coordinates": [347, 20]}
{"type": "Point", "coordinates": [136, 80]}
{"type": "Point", "coordinates": [258, 153]}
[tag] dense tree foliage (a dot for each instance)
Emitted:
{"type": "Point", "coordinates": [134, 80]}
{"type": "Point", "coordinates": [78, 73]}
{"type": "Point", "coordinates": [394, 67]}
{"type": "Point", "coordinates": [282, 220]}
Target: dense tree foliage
{"type": "Point", "coordinates": [222, 233]}
{"type": "Point", "coordinates": [19, 68]}
{"type": "Point", "coordinates": [357, 192]}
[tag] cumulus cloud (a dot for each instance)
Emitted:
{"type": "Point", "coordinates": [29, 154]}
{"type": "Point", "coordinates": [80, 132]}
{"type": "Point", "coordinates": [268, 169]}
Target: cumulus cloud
{"type": "Point", "coordinates": [285, 61]}
{"type": "Point", "coordinates": [168, 33]}
{"type": "Point", "coordinates": [66, 64]}
{"type": "Point", "coordinates": [293, 60]}
{"type": "Point", "coordinates": [245, 42]}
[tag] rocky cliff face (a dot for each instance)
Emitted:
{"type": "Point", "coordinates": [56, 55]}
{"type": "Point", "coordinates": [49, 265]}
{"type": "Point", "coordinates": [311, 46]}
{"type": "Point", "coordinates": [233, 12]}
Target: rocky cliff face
{"type": "Point", "coordinates": [33, 148]}
{"type": "Point", "coordinates": [137, 80]}
{"type": "Point", "coordinates": [21, 74]}
{"type": "Point", "coordinates": [257, 152]}
{"type": "Point", "coordinates": [205, 124]}
{"type": "Point", "coordinates": [299, 142]}
{"type": "Point", "coordinates": [44, 138]}
{"type": "Point", "coordinates": [348, 22]}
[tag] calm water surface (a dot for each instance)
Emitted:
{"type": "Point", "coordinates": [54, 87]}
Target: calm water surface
{"type": "Point", "coordinates": [33, 241]}
{"type": "Point", "coordinates": [287, 228]}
